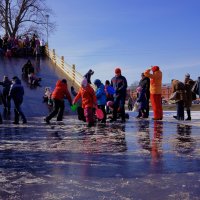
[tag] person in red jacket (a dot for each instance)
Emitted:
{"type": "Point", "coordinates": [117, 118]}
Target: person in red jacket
{"type": "Point", "coordinates": [89, 101]}
{"type": "Point", "coordinates": [58, 95]}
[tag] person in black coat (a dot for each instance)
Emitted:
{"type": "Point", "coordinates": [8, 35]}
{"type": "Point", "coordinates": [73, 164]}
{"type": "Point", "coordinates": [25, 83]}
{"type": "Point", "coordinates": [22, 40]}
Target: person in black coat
{"type": "Point", "coordinates": [16, 94]}
{"type": "Point", "coordinates": [119, 83]}
{"type": "Point", "coordinates": [88, 75]}
{"type": "Point", "coordinates": [27, 69]}
{"type": "Point", "coordinates": [6, 83]}
{"type": "Point", "coordinates": [145, 83]}
{"type": "Point", "coordinates": [1, 101]}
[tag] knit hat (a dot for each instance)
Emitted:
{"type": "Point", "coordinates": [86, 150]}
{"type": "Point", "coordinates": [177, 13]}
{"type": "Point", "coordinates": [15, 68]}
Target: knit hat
{"type": "Point", "coordinates": [139, 89]}
{"type": "Point", "coordinates": [97, 82]}
{"type": "Point", "coordinates": [117, 71]}
{"type": "Point", "coordinates": [84, 82]}
{"type": "Point", "coordinates": [64, 81]}
{"type": "Point", "coordinates": [15, 78]}
{"type": "Point", "coordinates": [187, 75]}
{"type": "Point", "coordinates": [109, 103]}
{"type": "Point", "coordinates": [155, 68]}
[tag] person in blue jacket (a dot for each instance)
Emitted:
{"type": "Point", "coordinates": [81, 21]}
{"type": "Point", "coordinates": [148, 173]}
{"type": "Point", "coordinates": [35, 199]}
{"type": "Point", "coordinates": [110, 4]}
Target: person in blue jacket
{"type": "Point", "coordinates": [16, 94]}
{"type": "Point", "coordinates": [142, 99]}
{"type": "Point", "coordinates": [101, 97]}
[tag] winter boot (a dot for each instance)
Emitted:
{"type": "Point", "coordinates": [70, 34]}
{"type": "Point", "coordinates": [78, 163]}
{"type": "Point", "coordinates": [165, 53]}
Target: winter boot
{"type": "Point", "coordinates": [189, 115]}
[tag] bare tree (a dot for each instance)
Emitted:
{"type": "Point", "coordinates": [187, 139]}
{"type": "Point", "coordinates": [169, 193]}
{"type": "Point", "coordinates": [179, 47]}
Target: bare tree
{"type": "Point", "coordinates": [19, 17]}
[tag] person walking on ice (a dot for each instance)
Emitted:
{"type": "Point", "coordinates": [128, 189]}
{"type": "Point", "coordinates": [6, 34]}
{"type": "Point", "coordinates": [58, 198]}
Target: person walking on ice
{"type": "Point", "coordinates": [58, 95]}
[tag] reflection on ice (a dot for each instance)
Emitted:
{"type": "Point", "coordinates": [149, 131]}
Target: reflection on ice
{"type": "Point", "coordinates": [44, 158]}
{"type": "Point", "coordinates": [185, 144]}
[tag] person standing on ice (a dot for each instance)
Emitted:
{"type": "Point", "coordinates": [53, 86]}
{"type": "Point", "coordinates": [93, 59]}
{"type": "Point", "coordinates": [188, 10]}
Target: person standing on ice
{"type": "Point", "coordinates": [155, 91]}
{"type": "Point", "coordinates": [101, 97]}
{"type": "Point", "coordinates": [190, 96]}
{"type": "Point", "coordinates": [119, 83]}
{"type": "Point", "coordinates": [16, 93]}
{"type": "Point", "coordinates": [58, 95]}
{"type": "Point", "coordinates": [89, 101]}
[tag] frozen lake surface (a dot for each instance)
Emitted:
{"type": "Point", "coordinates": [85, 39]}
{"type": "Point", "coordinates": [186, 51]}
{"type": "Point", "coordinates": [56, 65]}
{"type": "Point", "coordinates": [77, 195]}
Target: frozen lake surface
{"type": "Point", "coordinates": [141, 159]}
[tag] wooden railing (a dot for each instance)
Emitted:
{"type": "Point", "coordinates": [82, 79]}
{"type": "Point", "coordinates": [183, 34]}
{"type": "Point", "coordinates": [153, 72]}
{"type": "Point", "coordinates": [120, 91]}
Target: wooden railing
{"type": "Point", "coordinates": [69, 70]}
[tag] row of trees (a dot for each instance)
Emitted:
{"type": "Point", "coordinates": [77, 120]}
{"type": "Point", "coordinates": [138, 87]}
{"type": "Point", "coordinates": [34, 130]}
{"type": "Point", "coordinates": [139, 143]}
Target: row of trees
{"type": "Point", "coordinates": [21, 17]}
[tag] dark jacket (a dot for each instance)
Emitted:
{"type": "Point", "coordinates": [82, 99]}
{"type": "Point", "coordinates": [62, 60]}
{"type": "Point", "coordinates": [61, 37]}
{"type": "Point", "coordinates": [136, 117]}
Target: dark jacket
{"type": "Point", "coordinates": [189, 94]}
{"type": "Point", "coordinates": [17, 91]}
{"type": "Point", "coordinates": [28, 68]}
{"type": "Point", "coordinates": [88, 75]}
{"type": "Point", "coordinates": [6, 86]}
{"type": "Point", "coordinates": [119, 83]}
{"type": "Point", "coordinates": [142, 99]}
{"type": "Point", "coordinates": [145, 83]}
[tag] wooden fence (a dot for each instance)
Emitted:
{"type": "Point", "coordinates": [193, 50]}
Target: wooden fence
{"type": "Point", "coordinates": [69, 70]}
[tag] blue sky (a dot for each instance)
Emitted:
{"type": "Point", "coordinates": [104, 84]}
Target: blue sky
{"type": "Point", "coordinates": [130, 34]}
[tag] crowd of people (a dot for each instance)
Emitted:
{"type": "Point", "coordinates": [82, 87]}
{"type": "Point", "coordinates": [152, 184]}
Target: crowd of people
{"type": "Point", "coordinates": [110, 97]}
{"type": "Point", "coordinates": [21, 46]}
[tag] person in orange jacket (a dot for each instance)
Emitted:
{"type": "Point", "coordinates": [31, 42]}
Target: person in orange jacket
{"type": "Point", "coordinates": [155, 91]}
{"type": "Point", "coordinates": [58, 95]}
{"type": "Point", "coordinates": [89, 101]}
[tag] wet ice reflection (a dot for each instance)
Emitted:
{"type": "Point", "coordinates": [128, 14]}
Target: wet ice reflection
{"type": "Point", "coordinates": [45, 158]}
{"type": "Point", "coordinates": [185, 143]}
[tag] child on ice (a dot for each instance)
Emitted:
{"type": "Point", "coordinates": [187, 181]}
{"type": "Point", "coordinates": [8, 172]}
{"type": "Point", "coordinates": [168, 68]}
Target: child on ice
{"type": "Point", "coordinates": [89, 101]}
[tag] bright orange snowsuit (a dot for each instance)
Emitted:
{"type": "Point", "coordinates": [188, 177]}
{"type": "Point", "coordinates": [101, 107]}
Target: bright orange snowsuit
{"type": "Point", "coordinates": [88, 97]}
{"type": "Point", "coordinates": [155, 92]}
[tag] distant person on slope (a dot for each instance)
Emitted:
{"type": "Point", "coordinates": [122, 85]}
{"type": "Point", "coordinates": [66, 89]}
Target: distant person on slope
{"type": "Point", "coordinates": [27, 69]}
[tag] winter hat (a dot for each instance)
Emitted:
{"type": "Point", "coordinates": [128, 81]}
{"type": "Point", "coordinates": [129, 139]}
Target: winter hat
{"type": "Point", "coordinates": [117, 71]}
{"type": "Point", "coordinates": [155, 68]}
{"type": "Point", "coordinates": [15, 78]}
{"type": "Point", "coordinates": [84, 82]}
{"type": "Point", "coordinates": [107, 82]}
{"type": "Point", "coordinates": [64, 81]}
{"type": "Point", "coordinates": [97, 82]}
{"type": "Point", "coordinates": [139, 89]}
{"type": "Point", "coordinates": [110, 103]}
{"type": "Point", "coordinates": [187, 75]}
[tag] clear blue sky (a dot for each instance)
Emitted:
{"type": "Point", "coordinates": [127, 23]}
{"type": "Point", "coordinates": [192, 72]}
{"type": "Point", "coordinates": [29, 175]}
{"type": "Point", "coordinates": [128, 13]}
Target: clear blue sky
{"type": "Point", "coordinates": [131, 34]}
